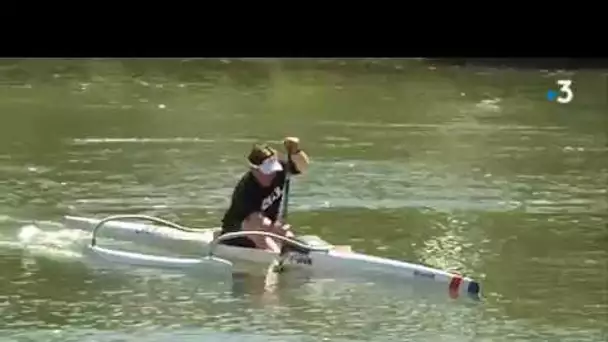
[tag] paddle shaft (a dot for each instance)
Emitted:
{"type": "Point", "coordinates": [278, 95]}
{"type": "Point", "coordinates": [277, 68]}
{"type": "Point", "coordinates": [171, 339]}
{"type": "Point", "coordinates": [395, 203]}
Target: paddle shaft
{"type": "Point", "coordinates": [286, 199]}
{"type": "Point", "coordinates": [286, 187]}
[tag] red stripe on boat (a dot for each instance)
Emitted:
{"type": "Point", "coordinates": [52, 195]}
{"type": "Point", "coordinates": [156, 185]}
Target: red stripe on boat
{"type": "Point", "coordinates": [455, 286]}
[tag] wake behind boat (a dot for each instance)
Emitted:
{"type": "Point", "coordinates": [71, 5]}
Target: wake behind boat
{"type": "Point", "coordinates": [307, 253]}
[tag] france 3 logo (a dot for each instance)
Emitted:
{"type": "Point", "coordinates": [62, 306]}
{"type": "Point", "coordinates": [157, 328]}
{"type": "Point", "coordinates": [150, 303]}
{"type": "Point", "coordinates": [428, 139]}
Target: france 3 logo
{"type": "Point", "coordinates": [564, 94]}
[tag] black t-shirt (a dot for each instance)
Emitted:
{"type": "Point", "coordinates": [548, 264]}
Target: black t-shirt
{"type": "Point", "coordinates": [249, 197]}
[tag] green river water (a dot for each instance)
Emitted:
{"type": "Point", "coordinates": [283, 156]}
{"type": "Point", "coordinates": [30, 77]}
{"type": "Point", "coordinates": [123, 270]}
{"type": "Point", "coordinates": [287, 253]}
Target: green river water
{"type": "Point", "coordinates": [466, 169]}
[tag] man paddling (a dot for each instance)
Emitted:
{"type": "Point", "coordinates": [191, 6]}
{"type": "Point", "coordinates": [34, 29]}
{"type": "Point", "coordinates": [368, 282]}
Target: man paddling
{"type": "Point", "coordinates": [256, 199]}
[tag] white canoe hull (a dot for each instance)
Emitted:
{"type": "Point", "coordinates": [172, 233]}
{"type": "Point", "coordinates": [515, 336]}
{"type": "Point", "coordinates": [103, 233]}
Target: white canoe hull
{"type": "Point", "coordinates": [196, 245]}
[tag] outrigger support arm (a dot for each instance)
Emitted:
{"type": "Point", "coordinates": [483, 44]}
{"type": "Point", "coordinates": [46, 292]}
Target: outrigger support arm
{"type": "Point", "coordinates": [153, 219]}
{"type": "Point", "coordinates": [212, 244]}
{"type": "Point", "coordinates": [293, 242]}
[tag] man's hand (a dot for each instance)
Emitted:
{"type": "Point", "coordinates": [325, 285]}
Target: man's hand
{"type": "Point", "coordinates": [282, 228]}
{"type": "Point", "coordinates": [298, 157]}
{"type": "Point", "coordinates": [292, 144]}
{"type": "Point", "coordinates": [257, 220]}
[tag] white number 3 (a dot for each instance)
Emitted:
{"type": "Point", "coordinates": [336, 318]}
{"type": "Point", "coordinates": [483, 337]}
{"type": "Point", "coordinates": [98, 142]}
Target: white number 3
{"type": "Point", "coordinates": [566, 91]}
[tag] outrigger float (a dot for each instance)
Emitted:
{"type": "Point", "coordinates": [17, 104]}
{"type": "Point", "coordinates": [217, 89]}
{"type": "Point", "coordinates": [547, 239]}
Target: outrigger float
{"type": "Point", "coordinates": [306, 252]}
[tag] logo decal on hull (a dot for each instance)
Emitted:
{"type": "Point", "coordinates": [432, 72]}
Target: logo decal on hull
{"type": "Point", "coordinates": [291, 258]}
{"type": "Point", "coordinates": [424, 274]}
{"type": "Point", "coordinates": [299, 258]}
